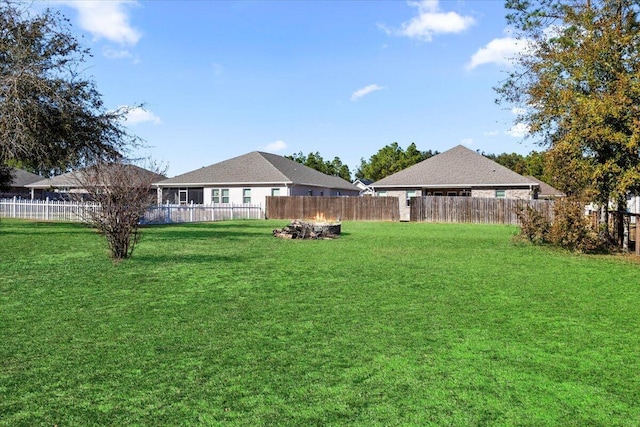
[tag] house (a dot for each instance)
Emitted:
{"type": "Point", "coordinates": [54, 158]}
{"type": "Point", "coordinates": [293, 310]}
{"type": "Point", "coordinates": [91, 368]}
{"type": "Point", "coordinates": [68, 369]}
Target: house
{"type": "Point", "coordinates": [455, 172]}
{"type": "Point", "coordinates": [546, 191]}
{"type": "Point", "coordinates": [61, 187]}
{"type": "Point", "coordinates": [250, 178]}
{"type": "Point", "coordinates": [21, 179]}
{"type": "Point", "coordinates": [365, 186]}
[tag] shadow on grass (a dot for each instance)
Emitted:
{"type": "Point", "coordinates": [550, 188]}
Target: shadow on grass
{"type": "Point", "coordinates": [211, 230]}
{"type": "Point", "coordinates": [27, 227]}
{"type": "Point", "coordinates": [192, 258]}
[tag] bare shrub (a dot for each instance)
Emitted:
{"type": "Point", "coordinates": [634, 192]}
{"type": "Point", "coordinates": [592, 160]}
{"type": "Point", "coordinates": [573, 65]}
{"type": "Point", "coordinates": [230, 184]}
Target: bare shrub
{"type": "Point", "coordinates": [124, 192]}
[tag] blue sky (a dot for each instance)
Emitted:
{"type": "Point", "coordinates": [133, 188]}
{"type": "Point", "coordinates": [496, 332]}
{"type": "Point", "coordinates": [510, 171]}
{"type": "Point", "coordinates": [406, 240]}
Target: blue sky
{"type": "Point", "coordinates": [344, 78]}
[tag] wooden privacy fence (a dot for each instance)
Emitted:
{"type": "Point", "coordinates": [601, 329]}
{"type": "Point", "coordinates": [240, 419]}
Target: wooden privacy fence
{"type": "Point", "coordinates": [333, 208]}
{"type": "Point", "coordinates": [474, 209]}
{"type": "Point", "coordinates": [49, 210]}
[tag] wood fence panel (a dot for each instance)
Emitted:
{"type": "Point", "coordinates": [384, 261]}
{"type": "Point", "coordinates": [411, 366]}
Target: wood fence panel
{"type": "Point", "coordinates": [333, 208]}
{"type": "Point", "coordinates": [474, 209]}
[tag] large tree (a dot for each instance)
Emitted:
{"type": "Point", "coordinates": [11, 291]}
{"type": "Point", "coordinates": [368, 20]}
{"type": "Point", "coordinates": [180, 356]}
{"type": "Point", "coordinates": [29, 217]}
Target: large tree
{"type": "Point", "coordinates": [391, 159]}
{"type": "Point", "coordinates": [52, 117]}
{"type": "Point", "coordinates": [578, 85]}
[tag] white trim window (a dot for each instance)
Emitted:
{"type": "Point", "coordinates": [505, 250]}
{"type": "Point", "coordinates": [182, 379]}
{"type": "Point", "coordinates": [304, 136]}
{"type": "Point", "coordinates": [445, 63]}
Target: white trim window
{"type": "Point", "coordinates": [410, 194]}
{"type": "Point", "coordinates": [246, 195]}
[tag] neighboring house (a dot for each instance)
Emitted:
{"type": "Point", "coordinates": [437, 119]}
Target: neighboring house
{"type": "Point", "coordinates": [365, 186]}
{"type": "Point", "coordinates": [21, 179]}
{"type": "Point", "coordinates": [455, 172]}
{"type": "Point", "coordinates": [633, 203]}
{"type": "Point", "coordinates": [250, 178]}
{"type": "Point", "coordinates": [61, 187]}
{"type": "Point", "coordinates": [545, 191]}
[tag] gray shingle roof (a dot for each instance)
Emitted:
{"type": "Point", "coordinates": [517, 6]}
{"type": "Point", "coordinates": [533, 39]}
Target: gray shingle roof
{"type": "Point", "coordinates": [457, 167]}
{"type": "Point", "coordinates": [73, 179]}
{"type": "Point", "coordinates": [545, 189]}
{"type": "Point", "coordinates": [22, 177]}
{"type": "Point", "coordinates": [258, 168]}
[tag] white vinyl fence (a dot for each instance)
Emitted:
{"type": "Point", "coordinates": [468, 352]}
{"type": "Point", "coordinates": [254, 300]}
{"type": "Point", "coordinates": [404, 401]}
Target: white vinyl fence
{"type": "Point", "coordinates": [166, 214]}
{"type": "Point", "coordinates": [49, 210]}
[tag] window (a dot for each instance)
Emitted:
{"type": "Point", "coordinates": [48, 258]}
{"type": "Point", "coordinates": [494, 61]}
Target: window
{"type": "Point", "coordinates": [451, 193]}
{"type": "Point", "coordinates": [310, 193]}
{"type": "Point", "coordinates": [246, 195]}
{"type": "Point", "coordinates": [215, 195]}
{"type": "Point", "coordinates": [382, 193]}
{"type": "Point", "coordinates": [437, 193]}
{"type": "Point", "coordinates": [465, 193]}
{"type": "Point", "coordinates": [410, 194]}
{"type": "Point", "coordinates": [275, 191]}
{"type": "Point", "coordinates": [183, 196]}
{"type": "Point", "coordinates": [321, 193]}
{"type": "Point", "coordinates": [500, 194]}
{"type": "Point", "coordinates": [225, 195]}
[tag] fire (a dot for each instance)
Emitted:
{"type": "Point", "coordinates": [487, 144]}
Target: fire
{"type": "Point", "coordinates": [320, 217]}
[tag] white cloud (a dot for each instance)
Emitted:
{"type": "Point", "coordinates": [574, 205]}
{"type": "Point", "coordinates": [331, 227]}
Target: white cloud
{"type": "Point", "coordinates": [276, 146]}
{"type": "Point", "coordinates": [106, 19]}
{"type": "Point", "coordinates": [365, 91]}
{"type": "Point", "coordinates": [500, 51]}
{"type": "Point", "coordinates": [430, 21]}
{"type": "Point", "coordinates": [140, 115]}
{"type": "Point", "coordinates": [111, 53]}
{"type": "Point", "coordinates": [467, 141]}
{"type": "Point", "coordinates": [519, 130]}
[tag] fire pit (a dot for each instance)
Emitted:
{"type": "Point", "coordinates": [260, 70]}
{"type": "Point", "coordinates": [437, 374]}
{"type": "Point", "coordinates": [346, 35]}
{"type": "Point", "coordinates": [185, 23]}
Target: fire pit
{"type": "Point", "coordinates": [309, 230]}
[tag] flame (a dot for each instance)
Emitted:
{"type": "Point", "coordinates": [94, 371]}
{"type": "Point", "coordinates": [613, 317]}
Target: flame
{"type": "Point", "coordinates": [319, 217]}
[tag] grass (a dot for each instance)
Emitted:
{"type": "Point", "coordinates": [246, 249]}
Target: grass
{"type": "Point", "coordinates": [391, 324]}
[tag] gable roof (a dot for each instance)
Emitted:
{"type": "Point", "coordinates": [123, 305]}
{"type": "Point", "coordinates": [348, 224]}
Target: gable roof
{"type": "Point", "coordinates": [545, 189]}
{"type": "Point", "coordinates": [21, 177]}
{"type": "Point", "coordinates": [258, 168]}
{"type": "Point", "coordinates": [457, 167]}
{"type": "Point", "coordinates": [73, 179]}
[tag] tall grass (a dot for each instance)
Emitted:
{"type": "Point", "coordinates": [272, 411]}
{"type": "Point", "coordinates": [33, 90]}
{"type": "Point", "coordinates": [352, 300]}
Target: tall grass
{"type": "Point", "coordinates": [391, 324]}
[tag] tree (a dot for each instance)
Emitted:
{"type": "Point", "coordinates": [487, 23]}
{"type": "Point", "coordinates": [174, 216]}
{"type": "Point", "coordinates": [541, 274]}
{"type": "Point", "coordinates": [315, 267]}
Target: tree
{"type": "Point", "coordinates": [515, 162]}
{"type": "Point", "coordinates": [391, 159]}
{"type": "Point", "coordinates": [124, 193]}
{"type": "Point", "coordinates": [578, 85]}
{"type": "Point", "coordinates": [6, 177]}
{"type": "Point", "coordinates": [315, 161]}
{"type": "Point", "coordinates": [51, 117]}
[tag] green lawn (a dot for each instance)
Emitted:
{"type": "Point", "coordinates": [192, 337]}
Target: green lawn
{"type": "Point", "coordinates": [391, 324]}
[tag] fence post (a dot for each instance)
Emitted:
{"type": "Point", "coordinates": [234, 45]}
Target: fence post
{"type": "Point", "coordinates": [46, 209]}
{"type": "Point", "coordinates": [637, 235]}
{"type": "Point", "coordinates": [13, 207]}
